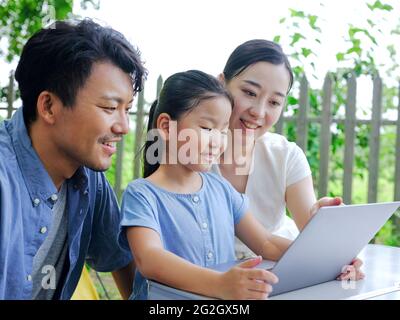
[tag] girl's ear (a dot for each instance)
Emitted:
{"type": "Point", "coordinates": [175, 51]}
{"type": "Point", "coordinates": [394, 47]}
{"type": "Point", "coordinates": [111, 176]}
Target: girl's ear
{"type": "Point", "coordinates": [221, 78]}
{"type": "Point", "coordinates": [163, 125]}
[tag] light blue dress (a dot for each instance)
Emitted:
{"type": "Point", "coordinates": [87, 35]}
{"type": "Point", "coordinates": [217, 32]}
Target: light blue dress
{"type": "Point", "coordinates": [198, 227]}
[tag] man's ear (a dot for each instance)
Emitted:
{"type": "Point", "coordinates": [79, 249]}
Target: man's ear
{"type": "Point", "coordinates": [163, 125]}
{"type": "Point", "coordinates": [46, 106]}
{"type": "Point", "coordinates": [221, 78]}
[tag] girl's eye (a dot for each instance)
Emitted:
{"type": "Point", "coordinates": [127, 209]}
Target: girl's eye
{"type": "Point", "coordinates": [205, 128]}
{"type": "Point", "coordinates": [249, 93]}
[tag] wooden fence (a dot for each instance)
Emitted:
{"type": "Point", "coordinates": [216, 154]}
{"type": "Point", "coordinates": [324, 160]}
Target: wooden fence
{"type": "Point", "coordinates": [302, 121]}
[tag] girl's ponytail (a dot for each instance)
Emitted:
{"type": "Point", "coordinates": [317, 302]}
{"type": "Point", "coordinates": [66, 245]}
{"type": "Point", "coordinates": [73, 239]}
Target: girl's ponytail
{"type": "Point", "coordinates": [148, 168]}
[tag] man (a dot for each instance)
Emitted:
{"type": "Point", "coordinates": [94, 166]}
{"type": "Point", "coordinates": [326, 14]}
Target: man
{"type": "Point", "coordinates": [77, 83]}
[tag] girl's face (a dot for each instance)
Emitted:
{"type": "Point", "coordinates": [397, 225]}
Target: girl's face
{"type": "Point", "coordinates": [259, 94]}
{"type": "Point", "coordinates": [202, 133]}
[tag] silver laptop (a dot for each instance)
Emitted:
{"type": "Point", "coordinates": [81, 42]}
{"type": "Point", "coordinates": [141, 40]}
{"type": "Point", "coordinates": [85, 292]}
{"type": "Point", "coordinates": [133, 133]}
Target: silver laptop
{"type": "Point", "coordinates": [330, 240]}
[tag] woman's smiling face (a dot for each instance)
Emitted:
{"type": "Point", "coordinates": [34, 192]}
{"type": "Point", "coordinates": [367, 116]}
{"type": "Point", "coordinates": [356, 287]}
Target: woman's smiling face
{"type": "Point", "coordinates": [259, 94]}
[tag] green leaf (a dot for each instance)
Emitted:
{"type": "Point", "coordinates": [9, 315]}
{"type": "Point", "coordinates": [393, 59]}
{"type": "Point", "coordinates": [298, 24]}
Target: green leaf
{"type": "Point", "coordinates": [313, 100]}
{"type": "Point", "coordinates": [296, 37]}
{"type": "Point", "coordinates": [356, 43]}
{"type": "Point", "coordinates": [312, 20]}
{"type": "Point", "coordinates": [379, 5]}
{"type": "Point", "coordinates": [291, 101]}
{"type": "Point", "coordinates": [355, 49]}
{"type": "Point", "coordinates": [298, 70]}
{"type": "Point", "coordinates": [352, 31]}
{"type": "Point", "coordinates": [392, 51]}
{"type": "Point", "coordinates": [371, 23]}
{"type": "Point", "coordinates": [277, 39]}
{"type": "Point", "coordinates": [306, 52]}
{"type": "Point", "coordinates": [62, 8]}
{"type": "Point", "coordinates": [295, 13]}
{"type": "Point", "coordinates": [340, 56]}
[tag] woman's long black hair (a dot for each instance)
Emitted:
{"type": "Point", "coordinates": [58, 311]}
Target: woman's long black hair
{"type": "Point", "coordinates": [254, 51]}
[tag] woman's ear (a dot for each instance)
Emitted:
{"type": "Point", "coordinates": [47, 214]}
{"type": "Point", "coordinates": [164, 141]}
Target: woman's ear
{"type": "Point", "coordinates": [221, 78]}
{"type": "Point", "coordinates": [46, 107]}
{"type": "Point", "coordinates": [163, 125]}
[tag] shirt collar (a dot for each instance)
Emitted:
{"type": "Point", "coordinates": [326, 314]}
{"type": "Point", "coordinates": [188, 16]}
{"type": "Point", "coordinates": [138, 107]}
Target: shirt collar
{"type": "Point", "coordinates": [37, 180]}
{"type": "Point", "coordinates": [39, 184]}
{"type": "Point", "coordinates": [80, 180]}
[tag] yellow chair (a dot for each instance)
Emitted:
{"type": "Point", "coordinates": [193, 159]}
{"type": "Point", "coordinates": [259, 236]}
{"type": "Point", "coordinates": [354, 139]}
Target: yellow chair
{"type": "Point", "coordinates": [85, 289]}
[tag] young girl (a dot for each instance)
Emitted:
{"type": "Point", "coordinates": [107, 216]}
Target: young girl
{"type": "Point", "coordinates": [180, 219]}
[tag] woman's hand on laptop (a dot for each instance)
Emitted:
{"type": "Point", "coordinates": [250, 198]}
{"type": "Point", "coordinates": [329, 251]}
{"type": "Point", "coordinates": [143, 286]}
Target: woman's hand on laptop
{"type": "Point", "coordinates": [352, 271]}
{"type": "Point", "coordinates": [326, 202]}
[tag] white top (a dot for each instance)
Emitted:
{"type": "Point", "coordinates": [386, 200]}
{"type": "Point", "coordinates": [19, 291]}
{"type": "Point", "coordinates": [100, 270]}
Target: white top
{"type": "Point", "coordinates": [277, 164]}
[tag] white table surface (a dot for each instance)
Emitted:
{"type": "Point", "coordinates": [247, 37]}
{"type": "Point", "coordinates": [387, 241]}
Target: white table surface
{"type": "Point", "coordinates": [382, 270]}
{"type": "Point", "coordinates": [382, 281]}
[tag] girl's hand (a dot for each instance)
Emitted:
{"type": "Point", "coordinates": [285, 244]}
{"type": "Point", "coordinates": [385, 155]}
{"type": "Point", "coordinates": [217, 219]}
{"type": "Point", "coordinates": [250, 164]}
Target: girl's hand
{"type": "Point", "coordinates": [352, 271]}
{"type": "Point", "coordinates": [243, 282]}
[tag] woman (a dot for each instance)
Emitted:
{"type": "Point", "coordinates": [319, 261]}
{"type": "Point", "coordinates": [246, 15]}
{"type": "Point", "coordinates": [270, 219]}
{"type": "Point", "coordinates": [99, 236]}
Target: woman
{"type": "Point", "coordinates": [276, 175]}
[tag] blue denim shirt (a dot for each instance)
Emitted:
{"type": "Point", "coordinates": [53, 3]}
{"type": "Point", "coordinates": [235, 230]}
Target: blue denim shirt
{"type": "Point", "coordinates": [25, 208]}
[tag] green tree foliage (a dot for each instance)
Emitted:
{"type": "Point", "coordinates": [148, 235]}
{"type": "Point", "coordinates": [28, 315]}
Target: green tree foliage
{"type": "Point", "coordinates": [301, 40]}
{"type": "Point", "coordinates": [19, 19]}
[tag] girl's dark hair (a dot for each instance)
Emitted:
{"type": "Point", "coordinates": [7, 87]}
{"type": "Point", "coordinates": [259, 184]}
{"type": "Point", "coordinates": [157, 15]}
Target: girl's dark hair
{"type": "Point", "coordinates": [60, 59]}
{"type": "Point", "coordinates": [254, 51]}
{"type": "Point", "coordinates": [181, 93]}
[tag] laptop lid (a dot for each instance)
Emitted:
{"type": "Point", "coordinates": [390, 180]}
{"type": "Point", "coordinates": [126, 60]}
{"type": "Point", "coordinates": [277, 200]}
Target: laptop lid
{"type": "Point", "coordinates": [330, 240]}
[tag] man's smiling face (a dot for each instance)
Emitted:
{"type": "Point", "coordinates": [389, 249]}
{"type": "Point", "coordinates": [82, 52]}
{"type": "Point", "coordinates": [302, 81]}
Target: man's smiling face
{"type": "Point", "coordinates": [86, 134]}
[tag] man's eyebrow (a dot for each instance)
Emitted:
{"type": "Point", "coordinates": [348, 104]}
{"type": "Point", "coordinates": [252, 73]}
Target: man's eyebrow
{"type": "Point", "coordinates": [259, 86]}
{"type": "Point", "coordinates": [115, 98]}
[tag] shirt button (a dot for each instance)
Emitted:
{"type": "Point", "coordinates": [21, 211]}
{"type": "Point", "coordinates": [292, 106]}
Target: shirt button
{"type": "Point", "coordinates": [196, 199]}
{"type": "Point", "coordinates": [29, 278]}
{"type": "Point", "coordinates": [43, 230]}
{"type": "Point", "coordinates": [36, 202]}
{"type": "Point", "coordinates": [204, 225]}
{"type": "Point", "coordinates": [210, 255]}
{"type": "Point", "coordinates": [54, 197]}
